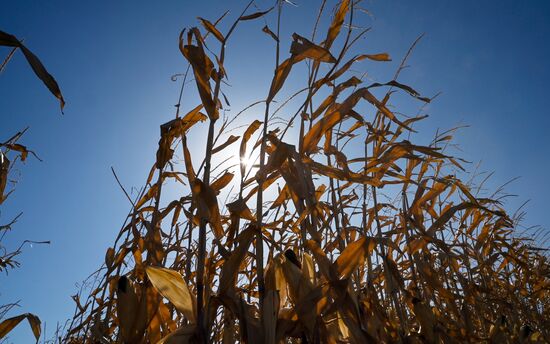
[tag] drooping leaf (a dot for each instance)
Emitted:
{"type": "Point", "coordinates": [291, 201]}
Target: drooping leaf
{"type": "Point", "coordinates": [9, 40]}
{"type": "Point", "coordinates": [246, 136]}
{"type": "Point", "coordinates": [202, 69]}
{"type": "Point", "coordinates": [280, 76]}
{"type": "Point", "coordinates": [229, 141]}
{"type": "Point", "coordinates": [110, 257]}
{"type": "Point", "coordinates": [240, 209]}
{"type": "Point", "coordinates": [206, 204]}
{"type": "Point", "coordinates": [270, 33]}
{"type": "Point", "coordinates": [337, 23]}
{"type": "Point", "coordinates": [171, 285]}
{"type": "Point", "coordinates": [230, 268]}
{"type": "Point", "coordinates": [382, 107]}
{"type": "Point", "coordinates": [353, 255]}
{"type": "Point", "coordinates": [9, 324]}
{"type": "Point", "coordinates": [255, 15]}
{"type": "Point", "coordinates": [222, 181]}
{"type": "Point", "coordinates": [151, 192]}
{"type": "Point", "coordinates": [35, 325]}
{"type": "Point", "coordinates": [212, 29]}
{"type": "Point", "coordinates": [19, 148]}
{"type": "Point", "coordinates": [320, 128]}
{"type": "Point", "coordinates": [188, 162]}
{"type": "Point", "coordinates": [378, 57]}
{"type": "Point", "coordinates": [406, 88]}
{"type": "Point", "coordinates": [302, 48]}
{"type": "Point", "coordinates": [173, 129]}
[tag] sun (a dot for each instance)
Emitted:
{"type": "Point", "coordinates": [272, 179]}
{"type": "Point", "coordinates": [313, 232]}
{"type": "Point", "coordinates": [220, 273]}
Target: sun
{"type": "Point", "coordinates": [246, 161]}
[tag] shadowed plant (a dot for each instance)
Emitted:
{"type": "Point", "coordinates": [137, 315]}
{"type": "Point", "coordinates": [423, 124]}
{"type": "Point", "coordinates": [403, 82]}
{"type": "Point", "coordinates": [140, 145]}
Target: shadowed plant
{"type": "Point", "coordinates": [333, 226]}
{"type": "Point", "coordinates": [12, 151]}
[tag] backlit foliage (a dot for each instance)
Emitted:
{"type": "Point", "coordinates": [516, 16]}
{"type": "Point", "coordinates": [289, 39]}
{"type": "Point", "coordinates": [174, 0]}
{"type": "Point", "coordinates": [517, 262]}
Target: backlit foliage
{"type": "Point", "coordinates": [313, 242]}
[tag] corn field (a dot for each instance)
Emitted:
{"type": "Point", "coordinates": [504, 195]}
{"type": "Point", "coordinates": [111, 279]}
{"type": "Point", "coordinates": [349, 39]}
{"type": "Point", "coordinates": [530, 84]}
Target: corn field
{"type": "Point", "coordinates": [321, 221]}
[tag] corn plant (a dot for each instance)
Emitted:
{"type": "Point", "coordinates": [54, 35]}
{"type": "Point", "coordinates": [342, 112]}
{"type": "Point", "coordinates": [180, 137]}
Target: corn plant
{"type": "Point", "coordinates": [12, 151]}
{"type": "Point", "coordinates": [345, 232]}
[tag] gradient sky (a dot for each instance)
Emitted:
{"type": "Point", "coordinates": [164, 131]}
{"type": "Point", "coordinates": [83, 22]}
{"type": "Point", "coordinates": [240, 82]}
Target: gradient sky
{"type": "Point", "coordinates": [113, 61]}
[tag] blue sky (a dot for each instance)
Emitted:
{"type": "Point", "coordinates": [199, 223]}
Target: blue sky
{"type": "Point", "coordinates": [113, 61]}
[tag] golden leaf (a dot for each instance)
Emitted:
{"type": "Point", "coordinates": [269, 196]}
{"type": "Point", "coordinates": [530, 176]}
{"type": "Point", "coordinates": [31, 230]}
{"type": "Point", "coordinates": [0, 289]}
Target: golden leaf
{"type": "Point", "coordinates": [171, 285]}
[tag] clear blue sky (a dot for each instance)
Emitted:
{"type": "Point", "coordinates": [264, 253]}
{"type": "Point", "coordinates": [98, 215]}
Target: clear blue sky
{"type": "Point", "coordinates": [113, 61]}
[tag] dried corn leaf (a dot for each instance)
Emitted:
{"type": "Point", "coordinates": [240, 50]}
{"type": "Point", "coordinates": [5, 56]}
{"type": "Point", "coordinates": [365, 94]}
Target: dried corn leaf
{"type": "Point", "coordinates": [212, 29]}
{"type": "Point", "coordinates": [281, 73]}
{"type": "Point", "coordinates": [271, 33]}
{"type": "Point", "coordinates": [7, 325]}
{"type": "Point", "coordinates": [246, 136]}
{"type": "Point", "coordinates": [353, 255]}
{"type": "Point", "coordinates": [151, 192]}
{"type": "Point", "coordinates": [240, 209]}
{"type": "Point", "coordinates": [337, 23]}
{"type": "Point", "coordinates": [171, 285]}
{"type": "Point", "coordinates": [406, 88]}
{"type": "Point", "coordinates": [230, 269]}
{"type": "Point", "coordinates": [9, 40]}
{"type": "Point", "coordinates": [202, 69]}
{"type": "Point", "coordinates": [229, 141]}
{"type": "Point", "coordinates": [302, 48]}
{"type": "Point", "coordinates": [206, 203]}
{"type": "Point", "coordinates": [222, 182]}
{"type": "Point", "coordinates": [255, 15]}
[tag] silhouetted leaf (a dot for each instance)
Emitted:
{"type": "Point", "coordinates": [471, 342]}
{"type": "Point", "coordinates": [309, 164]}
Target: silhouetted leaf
{"type": "Point", "coordinates": [271, 33]}
{"type": "Point", "coordinates": [255, 15]}
{"type": "Point", "coordinates": [303, 48]}
{"type": "Point", "coordinates": [9, 40]}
